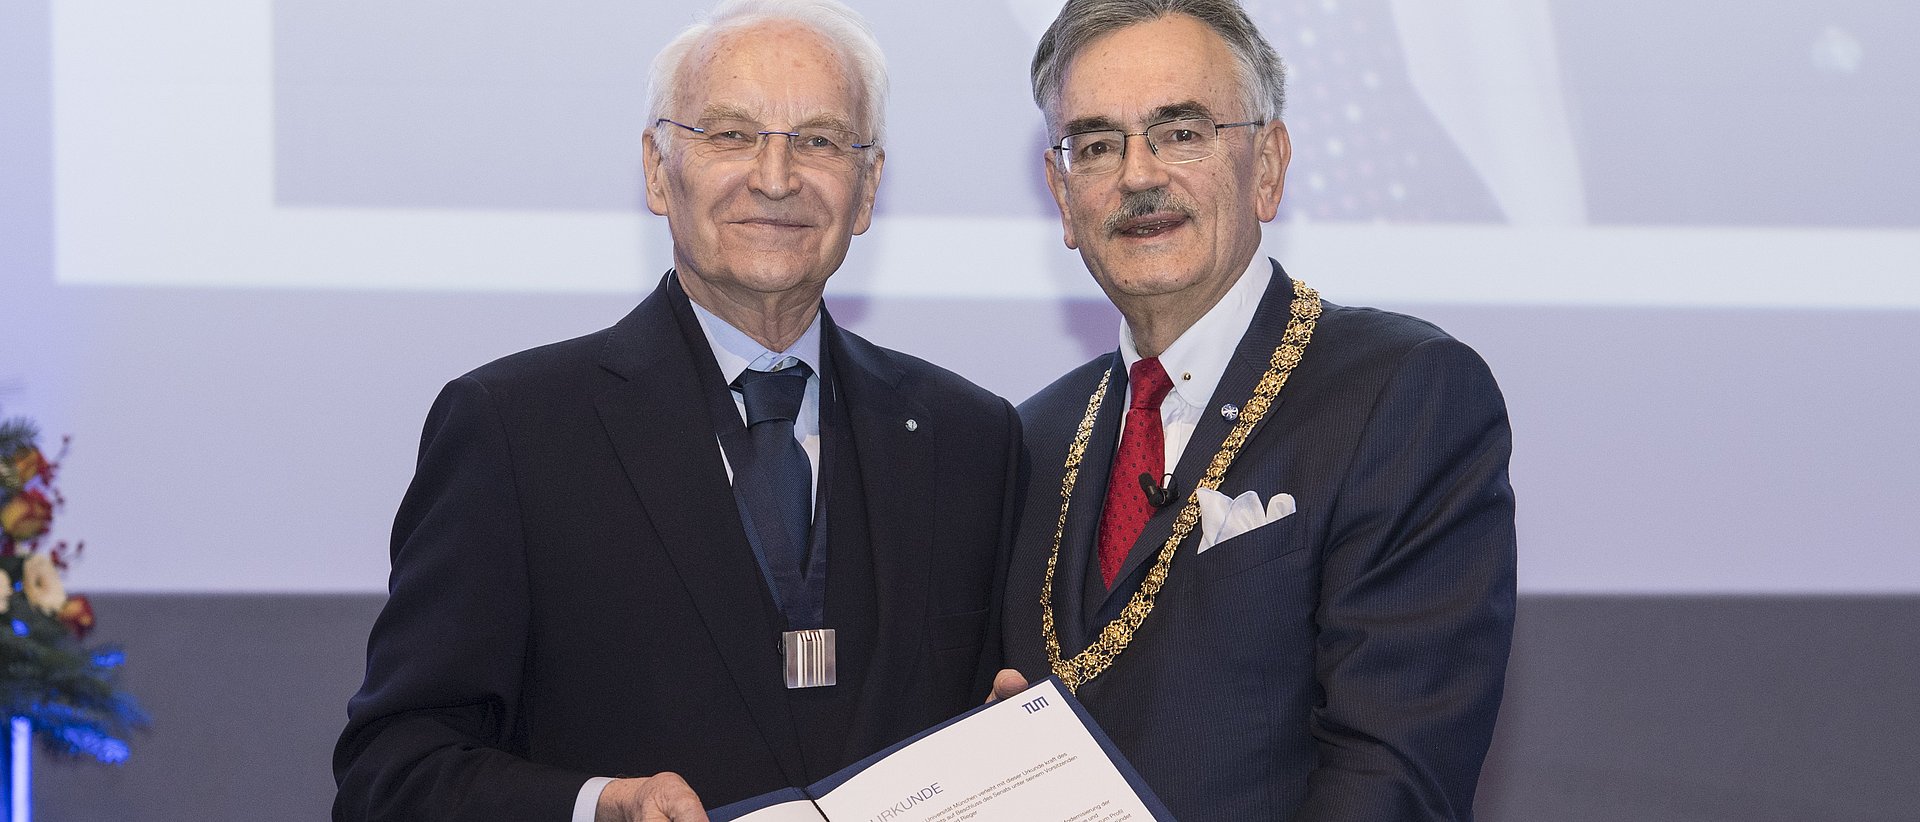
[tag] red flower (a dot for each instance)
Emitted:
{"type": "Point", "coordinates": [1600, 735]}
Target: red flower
{"type": "Point", "coordinates": [77, 615]}
{"type": "Point", "coordinates": [27, 515]}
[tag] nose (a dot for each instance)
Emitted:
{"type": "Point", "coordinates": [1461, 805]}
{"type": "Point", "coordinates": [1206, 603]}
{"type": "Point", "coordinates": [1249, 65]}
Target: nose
{"type": "Point", "coordinates": [773, 172]}
{"type": "Point", "coordinates": [1140, 168]}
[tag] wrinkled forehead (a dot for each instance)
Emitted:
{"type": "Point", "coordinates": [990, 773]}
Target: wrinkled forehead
{"type": "Point", "coordinates": [778, 73]}
{"type": "Point", "coordinates": [1147, 72]}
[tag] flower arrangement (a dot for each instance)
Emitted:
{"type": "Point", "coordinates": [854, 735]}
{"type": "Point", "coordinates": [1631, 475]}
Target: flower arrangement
{"type": "Point", "coordinates": [48, 675]}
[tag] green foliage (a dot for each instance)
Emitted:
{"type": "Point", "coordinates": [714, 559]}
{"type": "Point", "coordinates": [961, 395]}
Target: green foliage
{"type": "Point", "coordinates": [15, 434]}
{"type": "Point", "coordinates": [67, 690]}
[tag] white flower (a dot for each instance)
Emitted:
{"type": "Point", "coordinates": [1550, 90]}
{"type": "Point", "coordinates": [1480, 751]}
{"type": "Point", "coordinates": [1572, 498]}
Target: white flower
{"type": "Point", "coordinates": [42, 583]}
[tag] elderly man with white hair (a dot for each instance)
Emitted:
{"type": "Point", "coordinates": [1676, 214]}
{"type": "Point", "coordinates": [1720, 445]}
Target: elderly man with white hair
{"type": "Point", "coordinates": [722, 547]}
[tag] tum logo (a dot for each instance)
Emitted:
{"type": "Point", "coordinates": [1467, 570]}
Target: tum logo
{"type": "Point", "coordinates": [1036, 704]}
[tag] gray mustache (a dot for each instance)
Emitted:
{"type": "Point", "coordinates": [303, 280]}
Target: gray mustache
{"type": "Point", "coordinates": [1138, 204]}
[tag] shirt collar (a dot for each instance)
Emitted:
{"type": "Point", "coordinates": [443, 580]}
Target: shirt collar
{"type": "Point", "coordinates": [1198, 359]}
{"type": "Point", "coordinates": [736, 352]}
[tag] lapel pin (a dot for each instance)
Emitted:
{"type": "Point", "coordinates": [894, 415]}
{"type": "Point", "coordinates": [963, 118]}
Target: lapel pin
{"type": "Point", "coordinates": [913, 425]}
{"type": "Point", "coordinates": [1230, 411]}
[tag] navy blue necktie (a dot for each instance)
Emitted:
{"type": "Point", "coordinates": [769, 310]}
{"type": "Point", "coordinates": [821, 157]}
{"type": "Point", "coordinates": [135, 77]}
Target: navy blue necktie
{"type": "Point", "coordinates": [773, 480]}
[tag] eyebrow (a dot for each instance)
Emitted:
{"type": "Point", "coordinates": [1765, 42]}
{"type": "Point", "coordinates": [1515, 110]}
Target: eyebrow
{"type": "Point", "coordinates": [1080, 124]}
{"type": "Point", "coordinates": [728, 112]}
{"type": "Point", "coordinates": [1182, 109]}
{"type": "Point", "coordinates": [1160, 114]}
{"type": "Point", "coordinates": [725, 112]}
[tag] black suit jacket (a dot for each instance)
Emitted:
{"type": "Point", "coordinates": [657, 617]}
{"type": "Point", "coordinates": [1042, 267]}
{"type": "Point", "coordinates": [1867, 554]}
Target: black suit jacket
{"type": "Point", "coordinates": [573, 593]}
{"type": "Point", "coordinates": [1342, 663]}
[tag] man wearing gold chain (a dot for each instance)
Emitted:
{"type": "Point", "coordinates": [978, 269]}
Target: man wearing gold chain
{"type": "Point", "coordinates": [1269, 541]}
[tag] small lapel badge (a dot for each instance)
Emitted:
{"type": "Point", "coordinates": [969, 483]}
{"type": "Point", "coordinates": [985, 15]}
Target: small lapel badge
{"type": "Point", "coordinates": [913, 425]}
{"type": "Point", "coordinates": [1230, 411]}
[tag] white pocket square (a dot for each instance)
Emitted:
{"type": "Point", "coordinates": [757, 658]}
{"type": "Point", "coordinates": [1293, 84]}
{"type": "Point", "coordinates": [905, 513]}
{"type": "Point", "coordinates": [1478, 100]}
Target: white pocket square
{"type": "Point", "coordinates": [1223, 518]}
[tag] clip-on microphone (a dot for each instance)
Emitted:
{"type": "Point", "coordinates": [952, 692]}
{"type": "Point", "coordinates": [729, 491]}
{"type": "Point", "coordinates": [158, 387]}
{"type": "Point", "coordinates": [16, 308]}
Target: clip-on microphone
{"type": "Point", "coordinates": [1159, 496]}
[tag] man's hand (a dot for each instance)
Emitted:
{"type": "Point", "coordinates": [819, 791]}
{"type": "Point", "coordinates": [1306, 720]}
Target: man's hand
{"type": "Point", "coordinates": [662, 797]}
{"type": "Point", "coordinates": [1006, 683]}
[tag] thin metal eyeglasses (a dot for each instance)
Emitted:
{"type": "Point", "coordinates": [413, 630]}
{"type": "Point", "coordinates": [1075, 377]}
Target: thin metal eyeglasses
{"type": "Point", "coordinates": [740, 138]}
{"type": "Point", "coordinates": [1181, 140]}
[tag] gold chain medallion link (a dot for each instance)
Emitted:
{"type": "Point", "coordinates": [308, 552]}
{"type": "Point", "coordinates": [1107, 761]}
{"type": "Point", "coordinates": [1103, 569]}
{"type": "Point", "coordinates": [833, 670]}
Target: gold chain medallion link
{"type": "Point", "coordinates": [1114, 638]}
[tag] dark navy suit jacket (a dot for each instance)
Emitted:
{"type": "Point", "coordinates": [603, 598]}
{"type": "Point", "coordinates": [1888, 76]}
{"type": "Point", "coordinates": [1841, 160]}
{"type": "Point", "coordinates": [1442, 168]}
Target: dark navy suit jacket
{"type": "Point", "coordinates": [573, 593]}
{"type": "Point", "coordinates": [1342, 663]}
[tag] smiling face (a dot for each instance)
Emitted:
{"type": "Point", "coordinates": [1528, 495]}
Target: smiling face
{"type": "Point", "coordinates": [1159, 237]}
{"type": "Point", "coordinates": [768, 222]}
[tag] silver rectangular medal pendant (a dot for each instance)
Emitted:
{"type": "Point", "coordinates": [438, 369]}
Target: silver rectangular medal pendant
{"type": "Point", "coordinates": [808, 657]}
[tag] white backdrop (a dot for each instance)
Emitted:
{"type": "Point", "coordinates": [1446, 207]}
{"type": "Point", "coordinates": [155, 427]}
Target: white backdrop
{"type": "Point", "coordinates": [251, 239]}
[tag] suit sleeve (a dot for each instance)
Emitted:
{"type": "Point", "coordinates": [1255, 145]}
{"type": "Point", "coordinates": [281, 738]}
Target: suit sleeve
{"type": "Point", "coordinates": [429, 735]}
{"type": "Point", "coordinates": [993, 648]}
{"type": "Point", "coordinates": [1417, 598]}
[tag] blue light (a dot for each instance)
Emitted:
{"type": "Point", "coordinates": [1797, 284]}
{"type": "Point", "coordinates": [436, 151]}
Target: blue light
{"type": "Point", "coordinates": [19, 628]}
{"type": "Point", "coordinates": [109, 659]}
{"type": "Point", "coordinates": [95, 744]}
{"type": "Point", "coordinates": [20, 780]}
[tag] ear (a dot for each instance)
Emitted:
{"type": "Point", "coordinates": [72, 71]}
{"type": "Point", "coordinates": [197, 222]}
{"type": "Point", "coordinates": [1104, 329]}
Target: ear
{"type": "Point", "coordinates": [1272, 153]}
{"type": "Point", "coordinates": [1057, 183]}
{"type": "Point", "coordinates": [869, 188]}
{"type": "Point", "coordinates": [651, 163]}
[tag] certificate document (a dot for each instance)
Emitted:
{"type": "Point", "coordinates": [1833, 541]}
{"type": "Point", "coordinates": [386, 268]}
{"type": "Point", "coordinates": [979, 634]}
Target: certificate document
{"type": "Point", "coordinates": [1033, 757]}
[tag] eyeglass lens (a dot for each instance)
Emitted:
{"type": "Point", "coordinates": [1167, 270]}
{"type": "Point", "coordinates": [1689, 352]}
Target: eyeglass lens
{"type": "Point", "coordinates": [1174, 141]}
{"type": "Point", "coordinates": [744, 135]}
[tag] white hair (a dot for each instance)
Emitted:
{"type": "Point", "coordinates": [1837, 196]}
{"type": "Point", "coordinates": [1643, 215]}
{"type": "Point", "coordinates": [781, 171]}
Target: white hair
{"type": "Point", "coordinates": [842, 27]}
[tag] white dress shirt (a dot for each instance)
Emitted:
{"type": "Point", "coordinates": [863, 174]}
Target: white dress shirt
{"type": "Point", "coordinates": [736, 352]}
{"type": "Point", "coordinates": [1199, 358]}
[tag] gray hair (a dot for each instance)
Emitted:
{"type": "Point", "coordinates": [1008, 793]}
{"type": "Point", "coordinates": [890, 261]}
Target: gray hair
{"type": "Point", "coordinates": [842, 27]}
{"type": "Point", "coordinates": [1263, 78]}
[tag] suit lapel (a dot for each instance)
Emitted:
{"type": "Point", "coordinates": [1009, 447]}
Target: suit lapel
{"type": "Point", "coordinates": [662, 432]}
{"type": "Point", "coordinates": [896, 475]}
{"type": "Point", "coordinates": [1078, 589]}
{"type": "Point", "coordinates": [1250, 360]}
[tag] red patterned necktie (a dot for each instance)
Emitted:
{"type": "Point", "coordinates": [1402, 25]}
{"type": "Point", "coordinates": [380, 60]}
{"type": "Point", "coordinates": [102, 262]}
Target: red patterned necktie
{"type": "Point", "coordinates": [1143, 450]}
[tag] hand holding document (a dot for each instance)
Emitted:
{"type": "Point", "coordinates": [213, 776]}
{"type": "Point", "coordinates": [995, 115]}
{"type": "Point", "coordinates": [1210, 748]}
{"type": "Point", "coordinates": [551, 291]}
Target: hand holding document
{"type": "Point", "coordinates": [1033, 757]}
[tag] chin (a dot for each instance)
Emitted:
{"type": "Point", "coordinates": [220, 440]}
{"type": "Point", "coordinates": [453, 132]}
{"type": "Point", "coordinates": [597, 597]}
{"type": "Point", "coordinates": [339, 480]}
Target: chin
{"type": "Point", "coordinates": [771, 276]}
{"type": "Point", "coordinates": [1144, 279]}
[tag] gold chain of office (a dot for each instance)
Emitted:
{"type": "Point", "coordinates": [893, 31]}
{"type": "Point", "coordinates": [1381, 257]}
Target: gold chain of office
{"type": "Point", "coordinates": [1115, 637]}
